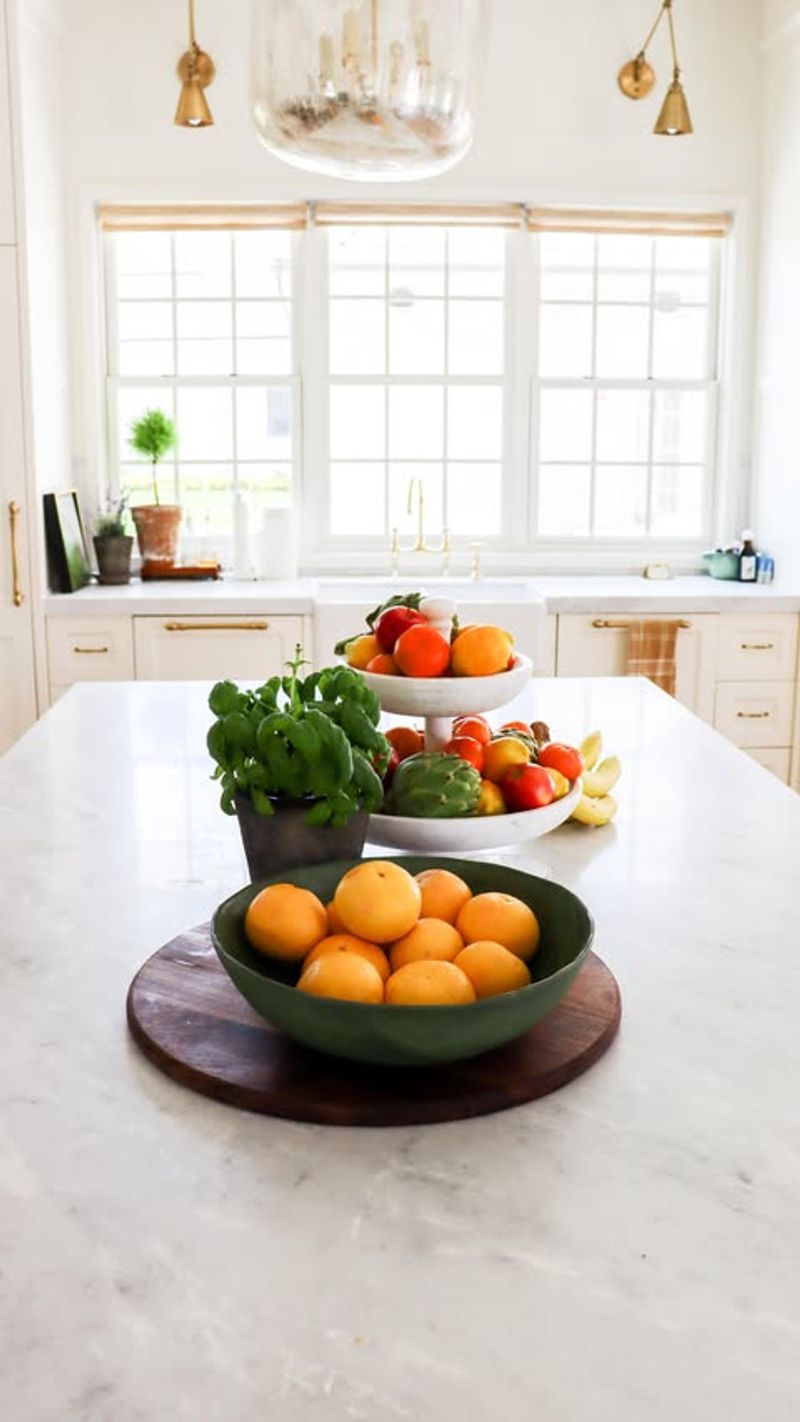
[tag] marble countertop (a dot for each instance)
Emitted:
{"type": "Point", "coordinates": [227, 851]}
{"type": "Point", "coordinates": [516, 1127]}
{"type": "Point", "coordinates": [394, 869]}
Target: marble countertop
{"type": "Point", "coordinates": [561, 594]}
{"type": "Point", "coordinates": [625, 1249]}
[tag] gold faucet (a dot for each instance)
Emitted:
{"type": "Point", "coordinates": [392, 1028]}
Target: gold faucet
{"type": "Point", "coordinates": [420, 544]}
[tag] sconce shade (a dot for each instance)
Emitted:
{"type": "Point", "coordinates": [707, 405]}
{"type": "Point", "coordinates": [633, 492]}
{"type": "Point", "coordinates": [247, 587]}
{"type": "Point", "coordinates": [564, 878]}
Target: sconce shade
{"type": "Point", "coordinates": [193, 110]}
{"type": "Point", "coordinates": [674, 118]}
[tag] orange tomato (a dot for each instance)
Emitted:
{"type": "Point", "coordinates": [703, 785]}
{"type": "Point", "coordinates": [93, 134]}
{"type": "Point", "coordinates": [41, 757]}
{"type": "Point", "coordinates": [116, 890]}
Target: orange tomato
{"type": "Point", "coordinates": [405, 740]}
{"type": "Point", "coordinates": [384, 665]}
{"type": "Point", "coordinates": [422, 652]}
{"type": "Point", "coordinates": [501, 755]}
{"type": "Point", "coordinates": [521, 726]}
{"type": "Point", "coordinates": [477, 727]}
{"type": "Point", "coordinates": [467, 749]}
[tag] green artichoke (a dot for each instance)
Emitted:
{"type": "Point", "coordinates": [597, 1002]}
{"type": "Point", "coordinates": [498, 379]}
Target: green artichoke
{"type": "Point", "coordinates": [435, 787]}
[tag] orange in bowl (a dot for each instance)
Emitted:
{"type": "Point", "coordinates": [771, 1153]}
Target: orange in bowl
{"type": "Point", "coordinates": [429, 983]}
{"type": "Point", "coordinates": [500, 918]}
{"type": "Point", "coordinates": [444, 894]}
{"type": "Point", "coordinates": [342, 975]}
{"type": "Point", "coordinates": [285, 921]}
{"type": "Point", "coordinates": [429, 938]}
{"type": "Point", "coordinates": [348, 943]}
{"type": "Point", "coordinates": [378, 900]}
{"type": "Point", "coordinates": [492, 969]}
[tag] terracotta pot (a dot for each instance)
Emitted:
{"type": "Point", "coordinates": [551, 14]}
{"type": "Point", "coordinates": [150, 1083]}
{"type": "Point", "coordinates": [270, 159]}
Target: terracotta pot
{"type": "Point", "coordinates": [157, 531]}
{"type": "Point", "coordinates": [284, 840]}
{"type": "Point", "coordinates": [113, 553]}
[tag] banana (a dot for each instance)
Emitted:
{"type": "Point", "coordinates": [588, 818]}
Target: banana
{"type": "Point", "coordinates": [592, 749]}
{"type": "Point", "coordinates": [595, 812]}
{"type": "Point", "coordinates": [598, 782]}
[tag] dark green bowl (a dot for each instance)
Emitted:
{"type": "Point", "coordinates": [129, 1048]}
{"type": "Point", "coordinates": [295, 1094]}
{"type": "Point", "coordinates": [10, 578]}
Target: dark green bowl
{"type": "Point", "coordinates": [409, 1036]}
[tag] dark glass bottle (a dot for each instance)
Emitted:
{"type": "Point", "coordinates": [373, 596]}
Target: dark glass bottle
{"type": "Point", "coordinates": [748, 558]}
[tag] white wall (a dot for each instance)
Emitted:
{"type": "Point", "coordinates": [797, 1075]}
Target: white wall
{"type": "Point", "coordinates": [553, 127]}
{"type": "Point", "coordinates": [777, 406]}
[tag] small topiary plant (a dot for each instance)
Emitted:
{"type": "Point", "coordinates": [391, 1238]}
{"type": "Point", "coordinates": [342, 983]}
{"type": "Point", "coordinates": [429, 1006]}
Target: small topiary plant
{"type": "Point", "coordinates": [154, 435]}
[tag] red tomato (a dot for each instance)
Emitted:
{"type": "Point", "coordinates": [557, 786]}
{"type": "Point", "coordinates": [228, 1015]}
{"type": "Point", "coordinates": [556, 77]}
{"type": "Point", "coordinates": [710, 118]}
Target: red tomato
{"type": "Point", "coordinates": [406, 741]}
{"type": "Point", "coordinates": [521, 726]}
{"type": "Point", "coordinates": [564, 758]}
{"type": "Point", "coordinates": [468, 749]}
{"type": "Point", "coordinates": [394, 761]}
{"type": "Point", "coordinates": [476, 727]}
{"type": "Point", "coordinates": [527, 787]}
{"type": "Point", "coordinates": [422, 651]}
{"type": "Point", "coordinates": [394, 623]}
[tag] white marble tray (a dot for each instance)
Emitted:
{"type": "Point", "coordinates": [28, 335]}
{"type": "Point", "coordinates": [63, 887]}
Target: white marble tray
{"type": "Point", "coordinates": [472, 833]}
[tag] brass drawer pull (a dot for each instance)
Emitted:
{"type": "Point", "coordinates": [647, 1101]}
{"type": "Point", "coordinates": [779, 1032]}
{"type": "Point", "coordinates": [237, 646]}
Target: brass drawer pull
{"type": "Point", "coordinates": [757, 646]}
{"type": "Point", "coordinates": [91, 651]}
{"type": "Point", "coordinates": [17, 595]}
{"type": "Point", "coordinates": [216, 626]}
{"type": "Point", "coordinates": [625, 626]}
{"type": "Point", "coordinates": [754, 715]}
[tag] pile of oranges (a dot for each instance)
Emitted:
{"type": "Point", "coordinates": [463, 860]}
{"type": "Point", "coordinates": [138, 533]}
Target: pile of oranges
{"type": "Point", "coordinates": [388, 936]}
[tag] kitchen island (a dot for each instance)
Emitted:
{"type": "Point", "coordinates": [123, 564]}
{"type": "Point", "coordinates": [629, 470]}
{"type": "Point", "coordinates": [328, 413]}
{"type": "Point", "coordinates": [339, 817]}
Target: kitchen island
{"type": "Point", "coordinates": [627, 1249]}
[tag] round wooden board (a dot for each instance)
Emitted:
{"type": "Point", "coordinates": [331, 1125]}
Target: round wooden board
{"type": "Point", "coordinates": [192, 1023]}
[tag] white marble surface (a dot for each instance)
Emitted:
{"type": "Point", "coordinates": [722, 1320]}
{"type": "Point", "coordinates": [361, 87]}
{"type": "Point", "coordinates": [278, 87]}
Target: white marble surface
{"type": "Point", "coordinates": [626, 1250]}
{"type": "Point", "coordinates": [562, 594]}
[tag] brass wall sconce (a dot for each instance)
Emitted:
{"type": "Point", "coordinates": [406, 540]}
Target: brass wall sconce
{"type": "Point", "coordinates": [195, 71]}
{"type": "Point", "coordinates": [637, 78]}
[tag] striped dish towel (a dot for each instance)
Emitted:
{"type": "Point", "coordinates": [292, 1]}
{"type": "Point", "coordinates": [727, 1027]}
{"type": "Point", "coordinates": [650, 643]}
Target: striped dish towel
{"type": "Point", "coordinates": [651, 652]}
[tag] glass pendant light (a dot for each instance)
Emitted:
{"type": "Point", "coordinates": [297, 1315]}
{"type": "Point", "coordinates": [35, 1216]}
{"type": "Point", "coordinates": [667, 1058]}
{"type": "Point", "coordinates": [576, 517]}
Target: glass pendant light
{"type": "Point", "coordinates": [374, 89]}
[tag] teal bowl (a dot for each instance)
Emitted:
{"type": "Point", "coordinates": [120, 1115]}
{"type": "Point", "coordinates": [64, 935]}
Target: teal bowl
{"type": "Point", "coordinates": [409, 1036]}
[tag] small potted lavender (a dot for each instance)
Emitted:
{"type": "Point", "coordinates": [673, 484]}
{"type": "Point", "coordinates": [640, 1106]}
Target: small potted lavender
{"type": "Point", "coordinates": [112, 542]}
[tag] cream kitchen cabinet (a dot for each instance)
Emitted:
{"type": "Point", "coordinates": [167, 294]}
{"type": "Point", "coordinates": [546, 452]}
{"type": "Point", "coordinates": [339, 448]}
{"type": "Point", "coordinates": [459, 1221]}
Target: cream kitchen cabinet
{"type": "Point", "coordinates": [88, 649]}
{"type": "Point", "coordinates": [17, 684]}
{"type": "Point", "coordinates": [596, 644]}
{"type": "Point", "coordinates": [196, 648]}
{"type": "Point", "coordinates": [756, 687]}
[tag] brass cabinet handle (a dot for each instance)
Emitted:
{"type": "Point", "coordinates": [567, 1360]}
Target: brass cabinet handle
{"type": "Point", "coordinates": [216, 626]}
{"type": "Point", "coordinates": [18, 596]}
{"type": "Point", "coordinates": [91, 651]}
{"type": "Point", "coordinates": [625, 626]}
{"type": "Point", "coordinates": [754, 715]}
{"type": "Point", "coordinates": [757, 646]}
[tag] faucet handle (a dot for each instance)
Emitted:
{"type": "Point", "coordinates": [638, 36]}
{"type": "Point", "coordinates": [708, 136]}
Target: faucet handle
{"type": "Point", "coordinates": [475, 572]}
{"type": "Point", "coordinates": [446, 550]}
{"type": "Point", "coordinates": [394, 551]}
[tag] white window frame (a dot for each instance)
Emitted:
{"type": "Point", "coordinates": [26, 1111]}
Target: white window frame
{"type": "Point", "coordinates": [224, 545]}
{"type": "Point", "coordinates": [647, 544]}
{"type": "Point", "coordinates": [319, 543]}
{"type": "Point", "coordinates": [519, 545]}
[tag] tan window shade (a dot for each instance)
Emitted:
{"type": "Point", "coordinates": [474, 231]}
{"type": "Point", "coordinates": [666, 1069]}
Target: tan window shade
{"type": "Point", "coordinates": [646, 224]}
{"type": "Point", "coordinates": [204, 217]}
{"type": "Point", "coordinates": [354, 214]}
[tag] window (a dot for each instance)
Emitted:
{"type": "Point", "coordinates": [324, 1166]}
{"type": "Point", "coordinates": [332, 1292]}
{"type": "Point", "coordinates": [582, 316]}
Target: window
{"type": "Point", "coordinates": [552, 383]}
{"type": "Point", "coordinates": [625, 389]}
{"type": "Point", "coordinates": [416, 362]}
{"type": "Point", "coordinates": [200, 324]}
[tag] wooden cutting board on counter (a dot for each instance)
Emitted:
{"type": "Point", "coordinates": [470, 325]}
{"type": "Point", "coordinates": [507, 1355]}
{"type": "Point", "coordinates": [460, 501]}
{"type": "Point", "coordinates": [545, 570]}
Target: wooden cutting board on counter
{"type": "Point", "coordinates": [192, 1023]}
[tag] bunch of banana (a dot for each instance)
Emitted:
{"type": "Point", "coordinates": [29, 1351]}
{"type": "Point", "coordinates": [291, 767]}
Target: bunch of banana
{"type": "Point", "coordinates": [597, 805]}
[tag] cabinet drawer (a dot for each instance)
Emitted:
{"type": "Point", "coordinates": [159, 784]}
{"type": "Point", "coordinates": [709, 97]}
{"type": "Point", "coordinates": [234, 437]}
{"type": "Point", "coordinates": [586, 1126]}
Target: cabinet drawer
{"type": "Point", "coordinates": [755, 715]}
{"type": "Point", "coordinates": [89, 649]}
{"type": "Point", "coordinates": [757, 648]}
{"type": "Point", "coordinates": [247, 648]}
{"type": "Point", "coordinates": [775, 759]}
{"type": "Point", "coordinates": [597, 645]}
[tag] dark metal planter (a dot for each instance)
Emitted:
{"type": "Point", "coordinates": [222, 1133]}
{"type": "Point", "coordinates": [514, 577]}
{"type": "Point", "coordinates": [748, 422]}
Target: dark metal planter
{"type": "Point", "coordinates": [285, 841]}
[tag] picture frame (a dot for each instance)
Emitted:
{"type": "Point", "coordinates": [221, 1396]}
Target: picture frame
{"type": "Point", "coordinates": [68, 565]}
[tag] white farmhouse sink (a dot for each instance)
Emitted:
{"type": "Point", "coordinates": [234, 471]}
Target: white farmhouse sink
{"type": "Point", "coordinates": [461, 589]}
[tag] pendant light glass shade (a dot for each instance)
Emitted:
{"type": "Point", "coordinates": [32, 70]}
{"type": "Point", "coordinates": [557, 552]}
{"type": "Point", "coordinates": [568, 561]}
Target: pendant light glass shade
{"type": "Point", "coordinates": [674, 118]}
{"type": "Point", "coordinates": [374, 89]}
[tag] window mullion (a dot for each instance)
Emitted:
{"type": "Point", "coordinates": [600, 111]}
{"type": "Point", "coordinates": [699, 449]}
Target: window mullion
{"type": "Point", "coordinates": [176, 483]}
{"type": "Point", "coordinates": [593, 467]}
{"type": "Point", "coordinates": [651, 402]}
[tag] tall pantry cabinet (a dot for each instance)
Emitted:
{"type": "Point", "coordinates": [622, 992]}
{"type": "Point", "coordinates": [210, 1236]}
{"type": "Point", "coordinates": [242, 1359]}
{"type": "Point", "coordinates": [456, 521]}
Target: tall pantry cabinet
{"type": "Point", "coordinates": [17, 680]}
